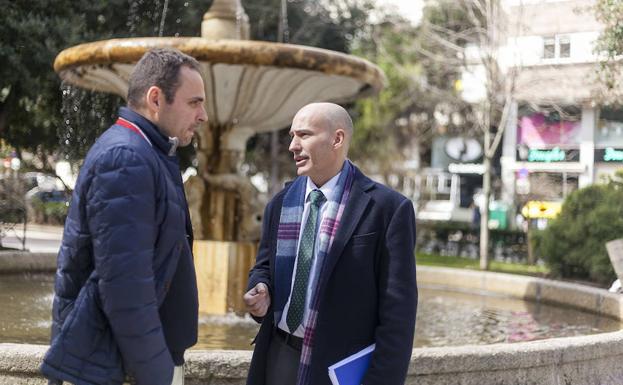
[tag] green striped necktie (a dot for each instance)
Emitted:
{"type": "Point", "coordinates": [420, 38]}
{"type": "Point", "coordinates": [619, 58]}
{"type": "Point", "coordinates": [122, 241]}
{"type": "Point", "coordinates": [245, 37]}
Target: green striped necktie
{"type": "Point", "coordinates": [304, 262]}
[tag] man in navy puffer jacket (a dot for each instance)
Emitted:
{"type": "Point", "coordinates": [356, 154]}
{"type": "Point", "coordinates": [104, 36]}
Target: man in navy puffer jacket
{"type": "Point", "coordinates": [125, 304]}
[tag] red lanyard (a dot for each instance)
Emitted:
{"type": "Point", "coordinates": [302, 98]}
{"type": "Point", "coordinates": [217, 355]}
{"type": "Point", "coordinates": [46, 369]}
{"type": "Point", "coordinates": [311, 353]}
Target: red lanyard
{"type": "Point", "coordinates": [133, 127]}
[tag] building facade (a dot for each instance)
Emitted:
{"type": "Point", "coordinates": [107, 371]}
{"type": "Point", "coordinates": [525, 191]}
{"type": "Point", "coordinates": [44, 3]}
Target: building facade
{"type": "Point", "coordinates": [558, 138]}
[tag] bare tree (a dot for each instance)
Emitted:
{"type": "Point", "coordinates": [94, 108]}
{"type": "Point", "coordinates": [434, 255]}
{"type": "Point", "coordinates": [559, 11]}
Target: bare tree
{"type": "Point", "coordinates": [395, 130]}
{"type": "Point", "coordinates": [478, 49]}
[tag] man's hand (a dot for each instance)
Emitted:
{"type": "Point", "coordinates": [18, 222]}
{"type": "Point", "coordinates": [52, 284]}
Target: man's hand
{"type": "Point", "coordinates": [257, 300]}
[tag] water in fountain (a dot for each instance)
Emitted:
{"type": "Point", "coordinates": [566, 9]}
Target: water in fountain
{"type": "Point", "coordinates": [183, 14]}
{"type": "Point", "coordinates": [445, 318]}
{"type": "Point", "coordinates": [163, 18]}
{"type": "Point", "coordinates": [86, 115]}
{"type": "Point", "coordinates": [160, 18]}
{"type": "Point", "coordinates": [146, 18]}
{"type": "Point", "coordinates": [155, 16]}
{"type": "Point", "coordinates": [239, 15]}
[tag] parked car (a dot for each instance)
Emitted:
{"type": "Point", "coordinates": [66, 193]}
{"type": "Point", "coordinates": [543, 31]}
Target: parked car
{"type": "Point", "coordinates": [43, 181]}
{"type": "Point", "coordinates": [47, 205]}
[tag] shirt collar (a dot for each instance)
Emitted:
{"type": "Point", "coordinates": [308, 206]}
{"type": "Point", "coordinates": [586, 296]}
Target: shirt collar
{"type": "Point", "coordinates": [159, 140]}
{"type": "Point", "coordinates": [327, 188]}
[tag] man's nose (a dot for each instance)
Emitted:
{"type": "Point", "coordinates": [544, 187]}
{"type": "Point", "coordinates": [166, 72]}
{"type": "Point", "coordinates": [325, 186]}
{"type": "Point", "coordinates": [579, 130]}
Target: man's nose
{"type": "Point", "coordinates": [294, 145]}
{"type": "Point", "coordinates": [203, 115]}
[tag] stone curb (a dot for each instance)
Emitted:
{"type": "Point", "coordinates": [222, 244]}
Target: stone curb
{"type": "Point", "coordinates": [566, 294]}
{"type": "Point", "coordinates": [13, 262]}
{"type": "Point", "coordinates": [539, 362]}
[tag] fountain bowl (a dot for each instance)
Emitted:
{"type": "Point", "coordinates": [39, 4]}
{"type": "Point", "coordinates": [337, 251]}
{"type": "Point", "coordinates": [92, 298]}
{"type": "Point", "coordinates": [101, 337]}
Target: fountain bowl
{"type": "Point", "coordinates": [289, 76]}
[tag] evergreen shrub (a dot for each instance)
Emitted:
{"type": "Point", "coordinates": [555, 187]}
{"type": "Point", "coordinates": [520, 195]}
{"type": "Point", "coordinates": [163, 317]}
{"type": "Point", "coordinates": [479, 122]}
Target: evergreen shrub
{"type": "Point", "coordinates": [574, 243]}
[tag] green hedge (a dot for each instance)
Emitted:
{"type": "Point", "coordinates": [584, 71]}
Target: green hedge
{"type": "Point", "coordinates": [573, 244]}
{"type": "Point", "coordinates": [49, 212]}
{"type": "Point", "coordinates": [442, 230]}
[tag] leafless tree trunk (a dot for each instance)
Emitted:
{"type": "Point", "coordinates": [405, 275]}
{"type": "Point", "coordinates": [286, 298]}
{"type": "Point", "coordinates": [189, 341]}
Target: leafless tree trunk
{"type": "Point", "coordinates": [488, 34]}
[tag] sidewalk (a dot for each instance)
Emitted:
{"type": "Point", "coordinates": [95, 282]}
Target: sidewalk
{"type": "Point", "coordinates": [35, 230]}
{"type": "Point", "coordinates": [44, 231]}
{"type": "Point", "coordinates": [39, 238]}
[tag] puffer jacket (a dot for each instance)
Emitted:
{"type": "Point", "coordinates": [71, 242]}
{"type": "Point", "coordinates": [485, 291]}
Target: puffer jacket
{"type": "Point", "coordinates": [125, 299]}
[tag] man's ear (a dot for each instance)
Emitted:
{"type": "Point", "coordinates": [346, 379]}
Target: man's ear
{"type": "Point", "coordinates": [153, 98]}
{"type": "Point", "coordinates": [340, 137]}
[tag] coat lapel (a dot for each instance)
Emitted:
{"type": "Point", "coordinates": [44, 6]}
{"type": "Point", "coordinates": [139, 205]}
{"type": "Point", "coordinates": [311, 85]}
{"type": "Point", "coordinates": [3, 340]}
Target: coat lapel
{"type": "Point", "coordinates": [353, 212]}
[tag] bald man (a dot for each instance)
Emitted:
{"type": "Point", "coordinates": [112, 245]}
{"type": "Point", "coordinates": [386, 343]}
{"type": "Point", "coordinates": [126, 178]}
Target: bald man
{"type": "Point", "coordinates": [335, 270]}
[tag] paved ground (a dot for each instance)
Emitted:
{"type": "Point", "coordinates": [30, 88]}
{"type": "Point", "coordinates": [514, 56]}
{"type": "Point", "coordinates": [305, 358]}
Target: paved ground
{"type": "Point", "coordinates": [39, 238]}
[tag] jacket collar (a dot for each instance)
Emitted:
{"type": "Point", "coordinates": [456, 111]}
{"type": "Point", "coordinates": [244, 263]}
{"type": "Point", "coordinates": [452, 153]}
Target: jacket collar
{"type": "Point", "coordinates": [362, 181]}
{"type": "Point", "coordinates": [158, 140]}
{"type": "Point", "coordinates": [358, 201]}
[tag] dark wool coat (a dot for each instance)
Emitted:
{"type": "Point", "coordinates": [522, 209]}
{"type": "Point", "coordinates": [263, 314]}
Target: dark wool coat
{"type": "Point", "coordinates": [368, 292]}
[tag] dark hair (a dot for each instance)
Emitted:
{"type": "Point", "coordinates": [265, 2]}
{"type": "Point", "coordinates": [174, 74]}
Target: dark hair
{"type": "Point", "coordinates": [158, 67]}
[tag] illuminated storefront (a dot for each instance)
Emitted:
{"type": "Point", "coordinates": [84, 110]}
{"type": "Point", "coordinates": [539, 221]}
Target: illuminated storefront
{"type": "Point", "coordinates": [547, 158]}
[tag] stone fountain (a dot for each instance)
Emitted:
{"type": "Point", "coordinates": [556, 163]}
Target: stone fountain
{"type": "Point", "coordinates": [252, 87]}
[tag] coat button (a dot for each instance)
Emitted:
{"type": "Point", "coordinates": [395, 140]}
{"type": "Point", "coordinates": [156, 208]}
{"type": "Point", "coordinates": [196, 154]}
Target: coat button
{"type": "Point", "coordinates": [167, 285]}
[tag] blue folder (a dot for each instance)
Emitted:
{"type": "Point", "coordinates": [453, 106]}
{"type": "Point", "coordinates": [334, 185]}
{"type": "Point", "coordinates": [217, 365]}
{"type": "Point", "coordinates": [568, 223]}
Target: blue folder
{"type": "Point", "coordinates": [350, 370]}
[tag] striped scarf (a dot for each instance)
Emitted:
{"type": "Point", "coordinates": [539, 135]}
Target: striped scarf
{"type": "Point", "coordinates": [287, 237]}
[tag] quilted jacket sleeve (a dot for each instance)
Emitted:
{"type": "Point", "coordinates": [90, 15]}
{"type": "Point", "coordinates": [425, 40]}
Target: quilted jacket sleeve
{"type": "Point", "coordinates": [121, 216]}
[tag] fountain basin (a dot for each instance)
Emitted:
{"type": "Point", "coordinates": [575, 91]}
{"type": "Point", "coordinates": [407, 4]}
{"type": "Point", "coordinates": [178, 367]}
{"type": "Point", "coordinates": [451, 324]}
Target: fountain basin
{"type": "Point", "coordinates": [593, 359]}
{"type": "Point", "coordinates": [256, 86]}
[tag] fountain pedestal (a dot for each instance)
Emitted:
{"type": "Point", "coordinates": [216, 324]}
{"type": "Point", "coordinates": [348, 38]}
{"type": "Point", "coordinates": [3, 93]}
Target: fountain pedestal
{"type": "Point", "coordinates": [222, 272]}
{"type": "Point", "coordinates": [226, 217]}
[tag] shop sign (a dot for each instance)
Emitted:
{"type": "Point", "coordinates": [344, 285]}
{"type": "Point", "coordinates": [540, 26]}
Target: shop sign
{"type": "Point", "coordinates": [553, 155]}
{"type": "Point", "coordinates": [541, 209]}
{"type": "Point", "coordinates": [540, 130]}
{"type": "Point", "coordinates": [609, 155]}
{"type": "Point", "coordinates": [464, 150]}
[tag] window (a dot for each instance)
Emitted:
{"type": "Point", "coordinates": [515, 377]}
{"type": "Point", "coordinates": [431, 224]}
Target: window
{"type": "Point", "coordinates": [556, 47]}
{"type": "Point", "coordinates": [549, 48]}
{"type": "Point", "coordinates": [565, 46]}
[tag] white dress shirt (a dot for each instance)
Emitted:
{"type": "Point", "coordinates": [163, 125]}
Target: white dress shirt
{"type": "Point", "coordinates": [327, 189]}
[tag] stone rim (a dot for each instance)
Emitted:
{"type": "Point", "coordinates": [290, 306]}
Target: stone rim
{"type": "Point", "coordinates": [233, 52]}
